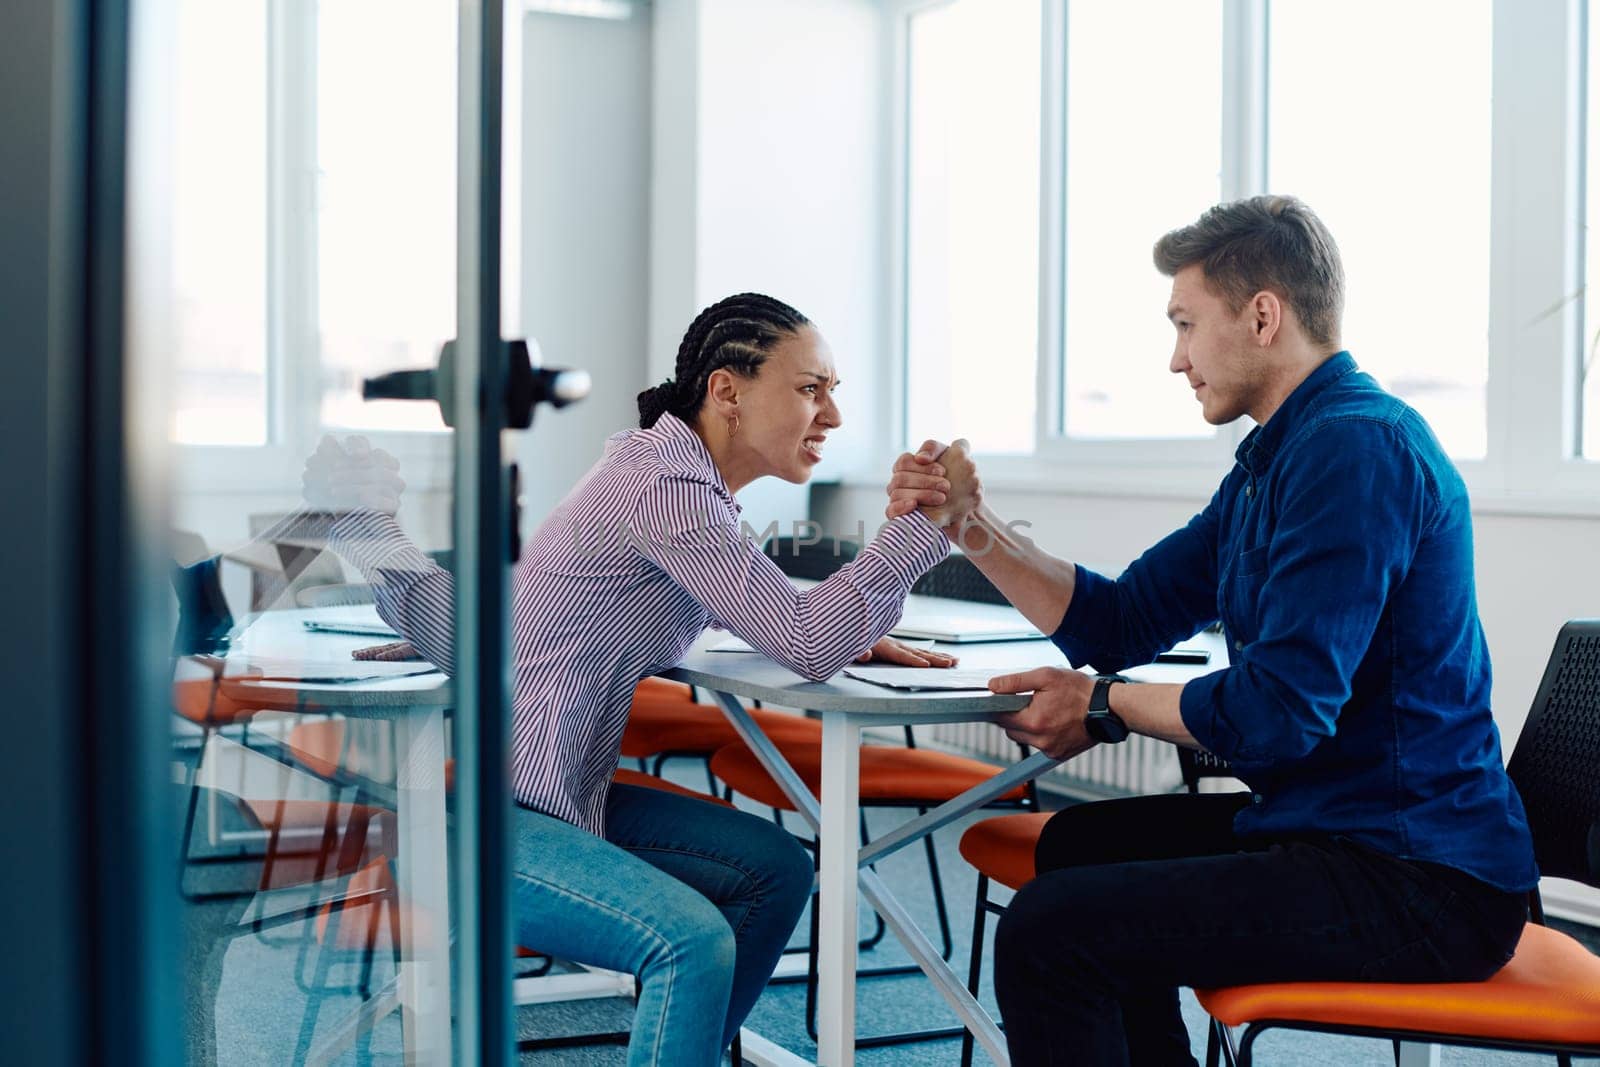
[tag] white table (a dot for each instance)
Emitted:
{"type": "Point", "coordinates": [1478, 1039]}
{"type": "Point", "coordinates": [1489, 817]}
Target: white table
{"type": "Point", "coordinates": [415, 707]}
{"type": "Point", "coordinates": [846, 706]}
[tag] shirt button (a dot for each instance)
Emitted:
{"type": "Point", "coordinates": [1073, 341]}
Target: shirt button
{"type": "Point", "coordinates": [1249, 490]}
{"type": "Point", "coordinates": [1255, 798]}
{"type": "Point", "coordinates": [1238, 644]}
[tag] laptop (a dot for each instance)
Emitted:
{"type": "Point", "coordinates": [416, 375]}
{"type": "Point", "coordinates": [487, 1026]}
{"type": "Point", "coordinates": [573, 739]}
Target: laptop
{"type": "Point", "coordinates": [961, 625]}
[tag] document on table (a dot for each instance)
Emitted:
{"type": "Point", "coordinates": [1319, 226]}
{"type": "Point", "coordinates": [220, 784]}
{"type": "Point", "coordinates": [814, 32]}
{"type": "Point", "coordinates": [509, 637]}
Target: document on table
{"type": "Point", "coordinates": [924, 678]}
{"type": "Point", "coordinates": [731, 643]}
{"type": "Point", "coordinates": [270, 668]}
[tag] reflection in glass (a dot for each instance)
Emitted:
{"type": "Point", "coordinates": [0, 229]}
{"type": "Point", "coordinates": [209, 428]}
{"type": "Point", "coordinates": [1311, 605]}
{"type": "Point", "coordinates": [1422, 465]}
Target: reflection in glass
{"type": "Point", "coordinates": [1144, 144]}
{"type": "Point", "coordinates": [972, 239]}
{"type": "Point", "coordinates": [308, 762]}
{"type": "Point", "coordinates": [1413, 232]}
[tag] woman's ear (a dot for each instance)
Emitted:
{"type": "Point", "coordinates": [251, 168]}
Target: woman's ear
{"type": "Point", "coordinates": [722, 393]}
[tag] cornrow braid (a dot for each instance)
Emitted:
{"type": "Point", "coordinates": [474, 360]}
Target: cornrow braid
{"type": "Point", "coordinates": [737, 334]}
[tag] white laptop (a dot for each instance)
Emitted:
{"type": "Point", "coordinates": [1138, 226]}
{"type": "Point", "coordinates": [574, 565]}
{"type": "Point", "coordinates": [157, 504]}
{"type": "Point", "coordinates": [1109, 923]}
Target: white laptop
{"type": "Point", "coordinates": [962, 622]}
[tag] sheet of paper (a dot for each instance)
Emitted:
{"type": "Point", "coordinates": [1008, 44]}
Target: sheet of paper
{"type": "Point", "coordinates": [924, 678]}
{"type": "Point", "coordinates": [735, 644]}
{"type": "Point", "coordinates": [324, 671]}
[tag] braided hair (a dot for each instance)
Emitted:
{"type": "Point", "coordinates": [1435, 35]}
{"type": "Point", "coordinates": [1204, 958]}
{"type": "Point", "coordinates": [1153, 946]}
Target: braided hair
{"type": "Point", "coordinates": [736, 334]}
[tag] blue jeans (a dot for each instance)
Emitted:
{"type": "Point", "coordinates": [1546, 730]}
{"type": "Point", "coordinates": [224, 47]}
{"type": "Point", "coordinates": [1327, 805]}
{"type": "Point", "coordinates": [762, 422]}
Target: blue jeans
{"type": "Point", "coordinates": [694, 899]}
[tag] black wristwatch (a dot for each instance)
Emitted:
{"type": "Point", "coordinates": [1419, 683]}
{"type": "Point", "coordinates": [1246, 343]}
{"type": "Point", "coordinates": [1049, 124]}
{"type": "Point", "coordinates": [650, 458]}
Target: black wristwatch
{"type": "Point", "coordinates": [1102, 723]}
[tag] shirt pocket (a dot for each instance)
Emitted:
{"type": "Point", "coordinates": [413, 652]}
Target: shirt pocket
{"type": "Point", "coordinates": [1244, 587]}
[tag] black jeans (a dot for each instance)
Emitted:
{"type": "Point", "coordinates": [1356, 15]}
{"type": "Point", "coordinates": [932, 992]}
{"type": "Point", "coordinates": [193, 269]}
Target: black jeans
{"type": "Point", "coordinates": [1137, 897]}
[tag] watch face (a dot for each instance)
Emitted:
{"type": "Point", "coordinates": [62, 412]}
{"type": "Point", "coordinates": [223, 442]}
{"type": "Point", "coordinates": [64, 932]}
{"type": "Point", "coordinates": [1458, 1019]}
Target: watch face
{"type": "Point", "coordinates": [1106, 726]}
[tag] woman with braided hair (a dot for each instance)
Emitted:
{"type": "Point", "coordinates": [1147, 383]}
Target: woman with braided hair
{"type": "Point", "coordinates": [694, 899]}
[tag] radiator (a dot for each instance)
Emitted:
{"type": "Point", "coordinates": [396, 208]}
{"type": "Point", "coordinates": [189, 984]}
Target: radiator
{"type": "Point", "coordinates": [1138, 765]}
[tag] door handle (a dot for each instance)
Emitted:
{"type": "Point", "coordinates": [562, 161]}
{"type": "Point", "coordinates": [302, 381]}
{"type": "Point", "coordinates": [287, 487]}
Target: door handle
{"type": "Point", "coordinates": [527, 385]}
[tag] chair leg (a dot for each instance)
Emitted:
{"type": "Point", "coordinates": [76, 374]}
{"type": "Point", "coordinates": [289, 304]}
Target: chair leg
{"type": "Point", "coordinates": [319, 982]}
{"type": "Point", "coordinates": [975, 968]}
{"type": "Point", "coordinates": [1213, 1044]}
{"type": "Point", "coordinates": [938, 893]}
{"type": "Point", "coordinates": [878, 928]}
{"type": "Point", "coordinates": [193, 788]}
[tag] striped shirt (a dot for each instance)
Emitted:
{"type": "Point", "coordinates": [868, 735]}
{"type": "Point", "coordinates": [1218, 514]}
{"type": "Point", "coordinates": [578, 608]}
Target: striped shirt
{"type": "Point", "coordinates": [617, 584]}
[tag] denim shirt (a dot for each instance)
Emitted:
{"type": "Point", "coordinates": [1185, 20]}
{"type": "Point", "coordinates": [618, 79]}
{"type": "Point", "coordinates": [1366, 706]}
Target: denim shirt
{"type": "Point", "coordinates": [1338, 555]}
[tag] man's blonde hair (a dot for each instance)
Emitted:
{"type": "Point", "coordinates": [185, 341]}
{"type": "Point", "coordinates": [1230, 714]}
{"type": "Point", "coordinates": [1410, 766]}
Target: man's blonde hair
{"type": "Point", "coordinates": [1269, 242]}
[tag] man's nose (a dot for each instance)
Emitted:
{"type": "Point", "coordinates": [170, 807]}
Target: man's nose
{"type": "Point", "coordinates": [1179, 364]}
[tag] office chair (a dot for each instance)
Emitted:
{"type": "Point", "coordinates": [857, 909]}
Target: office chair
{"type": "Point", "coordinates": [1547, 999]}
{"type": "Point", "coordinates": [1002, 849]}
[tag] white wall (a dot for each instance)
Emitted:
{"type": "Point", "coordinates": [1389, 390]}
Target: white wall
{"type": "Point", "coordinates": [585, 234]}
{"type": "Point", "coordinates": [767, 178]}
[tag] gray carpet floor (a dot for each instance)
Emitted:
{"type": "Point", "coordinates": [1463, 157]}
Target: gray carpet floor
{"type": "Point", "coordinates": [259, 1015]}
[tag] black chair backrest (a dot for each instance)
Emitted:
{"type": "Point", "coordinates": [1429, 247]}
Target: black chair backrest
{"type": "Point", "coordinates": [958, 578]}
{"type": "Point", "coordinates": [1197, 763]}
{"type": "Point", "coordinates": [800, 558]}
{"type": "Point", "coordinates": [1556, 764]}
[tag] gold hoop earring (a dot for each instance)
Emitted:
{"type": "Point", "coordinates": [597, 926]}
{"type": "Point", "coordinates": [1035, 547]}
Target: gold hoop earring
{"type": "Point", "coordinates": [733, 425]}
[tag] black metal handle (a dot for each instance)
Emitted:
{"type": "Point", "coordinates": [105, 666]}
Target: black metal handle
{"type": "Point", "coordinates": [527, 386]}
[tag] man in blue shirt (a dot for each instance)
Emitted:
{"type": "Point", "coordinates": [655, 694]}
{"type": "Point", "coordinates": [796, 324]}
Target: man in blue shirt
{"type": "Point", "coordinates": [1381, 838]}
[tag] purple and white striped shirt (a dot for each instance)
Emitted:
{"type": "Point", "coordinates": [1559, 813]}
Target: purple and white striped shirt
{"type": "Point", "coordinates": [617, 584]}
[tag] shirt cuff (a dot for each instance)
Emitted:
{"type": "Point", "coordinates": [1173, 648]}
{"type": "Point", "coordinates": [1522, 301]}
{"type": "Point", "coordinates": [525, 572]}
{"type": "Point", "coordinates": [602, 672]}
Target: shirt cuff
{"type": "Point", "coordinates": [910, 545]}
{"type": "Point", "coordinates": [1200, 707]}
{"type": "Point", "coordinates": [1093, 601]}
{"type": "Point", "coordinates": [374, 543]}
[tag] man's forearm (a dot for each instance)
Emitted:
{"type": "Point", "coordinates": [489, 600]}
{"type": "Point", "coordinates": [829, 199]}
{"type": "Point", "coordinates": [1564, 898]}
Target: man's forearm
{"type": "Point", "coordinates": [1038, 584]}
{"type": "Point", "coordinates": [1152, 710]}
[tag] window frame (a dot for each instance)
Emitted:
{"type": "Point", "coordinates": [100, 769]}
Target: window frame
{"type": "Point", "coordinates": [1538, 156]}
{"type": "Point", "coordinates": [293, 393]}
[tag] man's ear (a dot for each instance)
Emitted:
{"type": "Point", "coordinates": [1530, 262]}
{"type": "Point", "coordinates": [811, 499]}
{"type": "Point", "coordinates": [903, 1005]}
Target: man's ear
{"type": "Point", "coordinates": [1266, 317]}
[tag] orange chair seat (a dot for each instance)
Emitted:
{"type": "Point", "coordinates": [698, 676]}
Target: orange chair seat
{"type": "Point", "coordinates": [319, 747]}
{"type": "Point", "coordinates": [623, 776]}
{"type": "Point", "coordinates": [888, 773]}
{"type": "Point", "coordinates": [202, 702]}
{"type": "Point", "coordinates": [293, 865]}
{"type": "Point", "coordinates": [656, 725]}
{"type": "Point", "coordinates": [661, 689]}
{"type": "Point", "coordinates": [1002, 847]}
{"type": "Point", "coordinates": [1548, 994]}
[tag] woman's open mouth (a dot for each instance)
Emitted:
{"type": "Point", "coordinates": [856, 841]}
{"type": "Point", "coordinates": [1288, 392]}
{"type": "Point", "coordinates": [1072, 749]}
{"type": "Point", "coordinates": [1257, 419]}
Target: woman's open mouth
{"type": "Point", "coordinates": [812, 447]}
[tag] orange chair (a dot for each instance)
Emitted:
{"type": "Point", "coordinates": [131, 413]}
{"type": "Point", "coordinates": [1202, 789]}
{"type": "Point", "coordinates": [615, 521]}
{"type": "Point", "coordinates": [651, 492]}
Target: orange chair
{"type": "Point", "coordinates": [1001, 848]}
{"type": "Point", "coordinates": [665, 723]}
{"type": "Point", "coordinates": [890, 776]}
{"type": "Point", "coordinates": [205, 702]}
{"type": "Point", "coordinates": [1547, 999]}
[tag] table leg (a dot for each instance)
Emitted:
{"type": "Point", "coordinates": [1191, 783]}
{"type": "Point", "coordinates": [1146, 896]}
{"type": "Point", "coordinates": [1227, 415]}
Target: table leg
{"type": "Point", "coordinates": [836, 967]}
{"type": "Point", "coordinates": [423, 869]}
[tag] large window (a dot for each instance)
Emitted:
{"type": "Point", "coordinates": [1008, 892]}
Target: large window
{"type": "Point", "coordinates": [972, 259]}
{"type": "Point", "coordinates": [1450, 145]}
{"type": "Point", "coordinates": [1136, 166]}
{"type": "Point", "coordinates": [386, 252]}
{"type": "Point", "coordinates": [312, 211]}
{"type": "Point", "coordinates": [218, 249]}
{"type": "Point", "coordinates": [1396, 162]}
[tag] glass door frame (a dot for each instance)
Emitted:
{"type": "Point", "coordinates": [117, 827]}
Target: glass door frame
{"type": "Point", "coordinates": [98, 738]}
